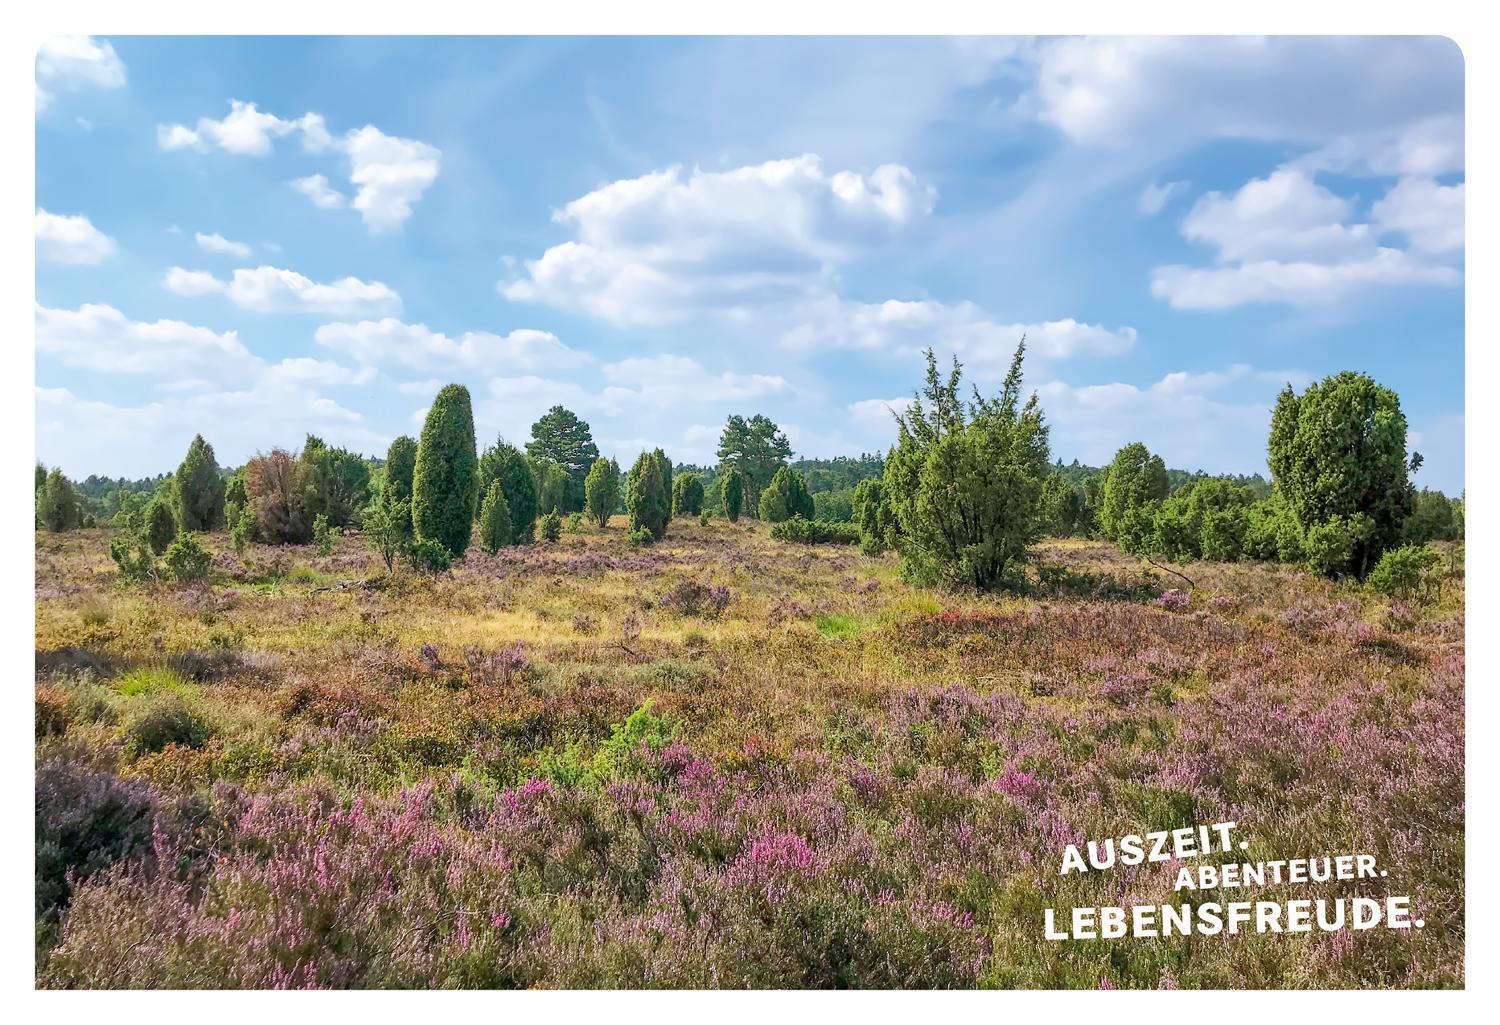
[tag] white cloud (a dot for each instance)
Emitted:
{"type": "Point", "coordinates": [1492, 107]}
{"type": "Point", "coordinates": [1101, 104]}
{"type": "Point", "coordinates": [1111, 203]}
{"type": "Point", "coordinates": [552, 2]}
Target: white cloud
{"type": "Point", "coordinates": [217, 243]}
{"type": "Point", "coordinates": [878, 413]}
{"type": "Point", "coordinates": [1154, 197]}
{"type": "Point", "coordinates": [76, 62]}
{"type": "Point", "coordinates": [388, 173]}
{"type": "Point", "coordinates": [672, 244]}
{"type": "Point", "coordinates": [70, 238]}
{"type": "Point", "coordinates": [1429, 214]}
{"type": "Point", "coordinates": [100, 338]}
{"type": "Point", "coordinates": [668, 381]}
{"type": "Point", "coordinates": [1429, 146]}
{"type": "Point", "coordinates": [1287, 239]}
{"type": "Point", "coordinates": [316, 188]}
{"type": "Point", "coordinates": [1298, 283]}
{"type": "Point", "coordinates": [390, 342]}
{"type": "Point", "coordinates": [274, 290]}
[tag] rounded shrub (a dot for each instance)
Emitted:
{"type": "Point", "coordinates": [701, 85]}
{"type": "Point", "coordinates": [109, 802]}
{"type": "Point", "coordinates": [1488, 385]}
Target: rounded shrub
{"type": "Point", "coordinates": [164, 719]}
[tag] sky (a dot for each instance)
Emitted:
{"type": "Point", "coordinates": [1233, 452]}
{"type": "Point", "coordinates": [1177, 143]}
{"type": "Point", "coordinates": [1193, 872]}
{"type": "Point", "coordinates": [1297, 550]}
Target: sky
{"type": "Point", "coordinates": [257, 239]}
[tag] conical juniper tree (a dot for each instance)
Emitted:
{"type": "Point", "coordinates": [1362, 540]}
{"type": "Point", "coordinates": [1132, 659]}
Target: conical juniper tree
{"type": "Point", "coordinates": [445, 481]}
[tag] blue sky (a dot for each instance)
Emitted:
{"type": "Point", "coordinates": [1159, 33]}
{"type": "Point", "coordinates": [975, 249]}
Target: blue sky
{"type": "Point", "coordinates": [258, 238]}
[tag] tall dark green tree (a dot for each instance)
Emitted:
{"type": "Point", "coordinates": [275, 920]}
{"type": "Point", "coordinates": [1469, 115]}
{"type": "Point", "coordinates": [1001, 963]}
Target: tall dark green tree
{"type": "Point", "coordinates": [602, 490]}
{"type": "Point", "coordinates": [687, 495]}
{"type": "Point", "coordinates": [494, 519]}
{"type": "Point", "coordinates": [1338, 456]}
{"type": "Point", "coordinates": [786, 496]}
{"type": "Point", "coordinates": [200, 489]}
{"type": "Point", "coordinates": [732, 492]}
{"type": "Point", "coordinates": [560, 437]}
{"type": "Point", "coordinates": [507, 464]}
{"type": "Point", "coordinates": [965, 480]}
{"type": "Point", "coordinates": [757, 448]}
{"type": "Point", "coordinates": [445, 480]}
{"type": "Point", "coordinates": [648, 497]}
{"type": "Point", "coordinates": [400, 468]}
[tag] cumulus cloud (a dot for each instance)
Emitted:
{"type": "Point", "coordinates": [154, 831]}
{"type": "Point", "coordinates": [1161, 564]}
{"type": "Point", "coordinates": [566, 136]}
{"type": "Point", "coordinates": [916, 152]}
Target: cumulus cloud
{"type": "Point", "coordinates": [267, 289]}
{"type": "Point", "coordinates": [76, 62]}
{"type": "Point", "coordinates": [1287, 239]}
{"type": "Point", "coordinates": [1430, 215]}
{"type": "Point", "coordinates": [674, 243]}
{"type": "Point", "coordinates": [388, 173]}
{"type": "Point", "coordinates": [70, 238]}
{"type": "Point", "coordinates": [99, 337]}
{"type": "Point", "coordinates": [217, 243]}
{"type": "Point", "coordinates": [667, 381]}
{"type": "Point", "coordinates": [390, 342]}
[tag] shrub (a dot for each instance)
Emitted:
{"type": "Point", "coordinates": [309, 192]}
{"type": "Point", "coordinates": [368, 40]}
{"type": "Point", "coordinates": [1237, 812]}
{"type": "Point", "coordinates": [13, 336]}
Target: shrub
{"type": "Point", "coordinates": [690, 598]}
{"type": "Point", "coordinates": [549, 527]}
{"type": "Point", "coordinates": [429, 556]}
{"type": "Point", "coordinates": [275, 487]}
{"type": "Point", "coordinates": [337, 481]}
{"type": "Point", "coordinates": [57, 505]}
{"type": "Point", "coordinates": [444, 480]}
{"type": "Point", "coordinates": [133, 555]}
{"type": "Point", "coordinates": [387, 527]}
{"type": "Point", "coordinates": [164, 718]}
{"type": "Point", "coordinates": [640, 537]}
{"type": "Point", "coordinates": [506, 464]}
{"type": "Point", "coordinates": [1062, 506]}
{"type": "Point", "coordinates": [648, 496]}
{"type": "Point", "coordinates": [200, 489]}
{"type": "Point", "coordinates": [785, 497]}
{"type": "Point", "coordinates": [687, 495]}
{"type": "Point", "coordinates": [1434, 517]}
{"type": "Point", "coordinates": [965, 484]}
{"type": "Point", "coordinates": [815, 532]}
{"type": "Point", "coordinates": [161, 525]}
{"type": "Point", "coordinates": [703, 518]}
{"type": "Point", "coordinates": [552, 482]}
{"type": "Point", "coordinates": [732, 492]}
{"type": "Point", "coordinates": [834, 506]}
{"type": "Point", "coordinates": [1400, 571]}
{"type": "Point", "coordinates": [1204, 519]}
{"type": "Point", "coordinates": [871, 510]}
{"type": "Point", "coordinates": [187, 560]}
{"type": "Point", "coordinates": [322, 535]}
{"type": "Point", "coordinates": [494, 520]}
{"type": "Point", "coordinates": [601, 490]}
{"type": "Point", "coordinates": [1134, 480]}
{"type": "Point", "coordinates": [1338, 456]}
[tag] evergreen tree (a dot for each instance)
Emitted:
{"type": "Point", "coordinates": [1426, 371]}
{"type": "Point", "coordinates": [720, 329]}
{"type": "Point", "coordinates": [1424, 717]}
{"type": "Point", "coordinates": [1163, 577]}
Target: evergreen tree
{"type": "Point", "coordinates": [57, 503]}
{"type": "Point", "coordinates": [785, 497]}
{"type": "Point", "coordinates": [200, 489]}
{"type": "Point", "coordinates": [444, 479]}
{"type": "Point", "coordinates": [561, 438]}
{"type": "Point", "coordinates": [1134, 483]}
{"type": "Point", "coordinates": [337, 481]}
{"type": "Point", "coordinates": [732, 492]}
{"type": "Point", "coordinates": [602, 490]}
{"type": "Point", "coordinates": [161, 525]}
{"type": "Point", "coordinates": [494, 520]}
{"type": "Point", "coordinates": [687, 495]}
{"type": "Point", "coordinates": [757, 448]}
{"type": "Point", "coordinates": [647, 495]}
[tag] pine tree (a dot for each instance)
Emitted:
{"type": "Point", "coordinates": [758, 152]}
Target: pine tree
{"type": "Point", "coordinates": [444, 479]}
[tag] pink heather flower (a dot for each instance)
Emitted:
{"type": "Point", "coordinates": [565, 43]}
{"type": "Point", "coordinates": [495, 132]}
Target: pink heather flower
{"type": "Point", "coordinates": [1104, 983]}
{"type": "Point", "coordinates": [779, 852]}
{"type": "Point", "coordinates": [500, 920]}
{"type": "Point", "coordinates": [1017, 784]}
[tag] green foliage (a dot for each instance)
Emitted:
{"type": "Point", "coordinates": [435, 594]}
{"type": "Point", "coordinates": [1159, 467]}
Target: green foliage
{"type": "Point", "coordinates": [732, 492]}
{"type": "Point", "coordinates": [1062, 506]}
{"type": "Point", "coordinates": [322, 535]}
{"type": "Point", "coordinates": [162, 719]}
{"type": "Point", "coordinates": [1133, 482]}
{"type": "Point", "coordinates": [1207, 519]}
{"type": "Point", "coordinates": [601, 490]}
{"type": "Point", "coordinates": [57, 506]}
{"type": "Point", "coordinates": [275, 485]}
{"type": "Point", "coordinates": [833, 506]}
{"type": "Point", "coordinates": [871, 511]}
{"type": "Point", "coordinates": [161, 525]}
{"type": "Point", "coordinates": [187, 560]}
{"type": "Point", "coordinates": [1434, 517]}
{"type": "Point", "coordinates": [506, 464]}
{"type": "Point", "coordinates": [815, 532]}
{"type": "Point", "coordinates": [133, 555]}
{"type": "Point", "coordinates": [386, 523]}
{"type": "Point", "coordinates": [965, 484]}
{"type": "Point", "coordinates": [429, 555]}
{"type": "Point", "coordinates": [335, 481]}
{"type": "Point", "coordinates": [574, 523]}
{"type": "Point", "coordinates": [200, 489]}
{"type": "Point", "coordinates": [640, 537]}
{"type": "Point", "coordinates": [785, 497]}
{"type": "Point", "coordinates": [1400, 571]}
{"type": "Point", "coordinates": [551, 482]}
{"type": "Point", "coordinates": [1338, 457]}
{"type": "Point", "coordinates": [687, 495]}
{"type": "Point", "coordinates": [559, 437]}
{"type": "Point", "coordinates": [703, 518]}
{"type": "Point", "coordinates": [1271, 532]}
{"type": "Point", "coordinates": [444, 479]}
{"type": "Point", "coordinates": [648, 497]}
{"type": "Point", "coordinates": [400, 469]}
{"type": "Point", "coordinates": [494, 519]}
{"type": "Point", "coordinates": [757, 448]}
{"type": "Point", "coordinates": [549, 526]}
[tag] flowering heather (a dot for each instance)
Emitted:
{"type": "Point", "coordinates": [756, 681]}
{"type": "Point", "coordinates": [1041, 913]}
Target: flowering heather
{"type": "Point", "coordinates": [581, 765]}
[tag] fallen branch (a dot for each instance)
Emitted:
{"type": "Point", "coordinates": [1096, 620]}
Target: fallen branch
{"type": "Point", "coordinates": [1167, 569]}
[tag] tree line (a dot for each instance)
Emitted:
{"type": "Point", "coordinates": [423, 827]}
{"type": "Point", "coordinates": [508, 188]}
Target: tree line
{"type": "Point", "coordinates": [963, 495]}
